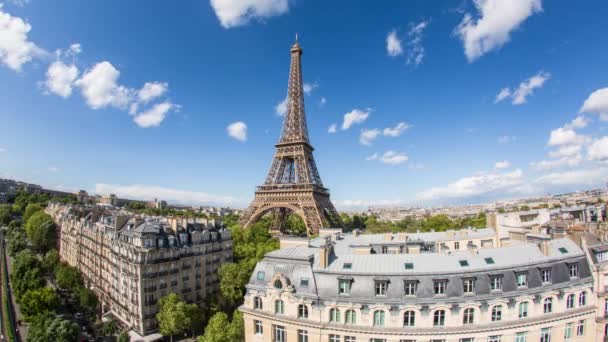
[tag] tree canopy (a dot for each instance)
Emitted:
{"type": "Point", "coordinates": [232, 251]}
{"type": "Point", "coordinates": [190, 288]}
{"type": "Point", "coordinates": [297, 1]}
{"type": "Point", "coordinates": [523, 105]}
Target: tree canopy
{"type": "Point", "coordinates": [41, 231]}
{"type": "Point", "coordinates": [37, 301]}
{"type": "Point", "coordinates": [175, 316]}
{"type": "Point", "coordinates": [46, 327]}
{"type": "Point", "coordinates": [221, 329]}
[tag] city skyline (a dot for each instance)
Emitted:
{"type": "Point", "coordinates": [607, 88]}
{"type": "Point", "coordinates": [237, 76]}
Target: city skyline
{"type": "Point", "coordinates": [399, 104]}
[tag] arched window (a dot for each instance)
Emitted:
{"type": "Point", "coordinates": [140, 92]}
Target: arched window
{"type": "Point", "coordinates": [279, 307]}
{"type": "Point", "coordinates": [278, 284]}
{"type": "Point", "coordinates": [409, 318]}
{"type": "Point", "coordinates": [350, 317]}
{"type": "Point", "coordinates": [582, 298]}
{"type": "Point", "coordinates": [497, 313]}
{"type": "Point", "coordinates": [468, 316]}
{"type": "Point", "coordinates": [570, 301]}
{"type": "Point", "coordinates": [548, 305]}
{"type": "Point", "coordinates": [439, 318]}
{"type": "Point", "coordinates": [257, 303]}
{"type": "Point", "coordinates": [334, 315]}
{"type": "Point", "coordinates": [302, 311]}
{"type": "Point", "coordinates": [378, 318]}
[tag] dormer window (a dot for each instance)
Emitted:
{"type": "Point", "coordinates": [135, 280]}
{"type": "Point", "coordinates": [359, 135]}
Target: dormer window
{"type": "Point", "coordinates": [468, 286]}
{"type": "Point", "coordinates": [573, 270]}
{"type": "Point", "coordinates": [545, 275]}
{"type": "Point", "coordinates": [522, 279]}
{"type": "Point", "coordinates": [381, 287]}
{"type": "Point", "coordinates": [439, 287]}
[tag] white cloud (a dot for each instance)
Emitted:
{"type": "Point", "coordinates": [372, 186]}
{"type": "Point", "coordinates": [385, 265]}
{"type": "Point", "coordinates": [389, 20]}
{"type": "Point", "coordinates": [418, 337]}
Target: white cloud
{"type": "Point", "coordinates": [597, 103]}
{"type": "Point", "coordinates": [480, 184]}
{"type": "Point", "coordinates": [372, 157]}
{"type": "Point", "coordinates": [322, 101]}
{"type": "Point", "coordinates": [598, 150]}
{"type": "Point", "coordinates": [308, 87]}
{"type": "Point", "coordinates": [574, 177]}
{"type": "Point", "coordinates": [526, 88]}
{"type": "Point", "coordinates": [73, 50]}
{"type": "Point", "coordinates": [505, 139]}
{"type": "Point", "coordinates": [232, 13]}
{"type": "Point", "coordinates": [15, 48]}
{"type": "Point", "coordinates": [566, 161]}
{"type": "Point", "coordinates": [393, 44]}
{"type": "Point", "coordinates": [149, 193]}
{"type": "Point", "coordinates": [355, 116]}
{"type": "Point", "coordinates": [566, 151]}
{"type": "Point", "coordinates": [237, 130]}
{"type": "Point", "coordinates": [53, 169]}
{"type": "Point", "coordinates": [60, 77]}
{"type": "Point", "coordinates": [152, 90]}
{"type": "Point", "coordinates": [416, 51]}
{"type": "Point", "coordinates": [368, 203]}
{"type": "Point", "coordinates": [155, 115]}
{"type": "Point", "coordinates": [368, 135]}
{"type": "Point", "coordinates": [397, 130]}
{"type": "Point", "coordinates": [332, 128]}
{"type": "Point", "coordinates": [281, 107]}
{"type": "Point", "coordinates": [99, 87]}
{"type": "Point", "coordinates": [493, 28]}
{"type": "Point", "coordinates": [502, 165]}
{"type": "Point", "coordinates": [393, 158]}
{"type": "Point", "coordinates": [579, 122]}
{"type": "Point", "coordinates": [566, 136]}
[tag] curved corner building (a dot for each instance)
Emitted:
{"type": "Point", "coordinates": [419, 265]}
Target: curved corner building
{"type": "Point", "coordinates": [431, 287]}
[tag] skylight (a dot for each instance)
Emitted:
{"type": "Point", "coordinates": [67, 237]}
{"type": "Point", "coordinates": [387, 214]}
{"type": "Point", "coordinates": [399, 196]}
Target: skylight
{"type": "Point", "coordinates": [463, 263]}
{"type": "Point", "coordinates": [409, 266]}
{"type": "Point", "coordinates": [563, 250]}
{"type": "Point", "coordinates": [347, 266]}
{"type": "Point", "coordinates": [489, 261]}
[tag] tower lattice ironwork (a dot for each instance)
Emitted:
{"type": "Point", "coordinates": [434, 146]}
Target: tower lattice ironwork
{"type": "Point", "coordinates": [293, 184]}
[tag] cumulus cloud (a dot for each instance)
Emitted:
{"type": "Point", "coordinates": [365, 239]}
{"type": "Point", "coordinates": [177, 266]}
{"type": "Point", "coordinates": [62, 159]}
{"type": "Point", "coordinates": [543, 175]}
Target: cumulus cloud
{"type": "Point", "coordinates": [574, 177]}
{"type": "Point", "coordinates": [237, 130]}
{"type": "Point", "coordinates": [598, 150]}
{"type": "Point", "coordinates": [520, 94]}
{"type": "Point", "coordinates": [367, 136]}
{"type": "Point", "coordinates": [232, 13]}
{"type": "Point", "coordinates": [397, 130]}
{"type": "Point", "coordinates": [100, 89]}
{"type": "Point", "coordinates": [566, 136]}
{"type": "Point", "coordinates": [566, 161]}
{"type": "Point", "coordinates": [393, 44]}
{"type": "Point", "coordinates": [480, 184]}
{"type": "Point", "coordinates": [60, 78]}
{"type": "Point", "coordinates": [416, 51]}
{"type": "Point", "coordinates": [15, 47]}
{"type": "Point", "coordinates": [355, 116]}
{"type": "Point", "coordinates": [150, 192]}
{"type": "Point", "coordinates": [502, 165]}
{"type": "Point", "coordinates": [393, 158]}
{"type": "Point", "coordinates": [597, 103]}
{"type": "Point", "coordinates": [147, 93]}
{"type": "Point", "coordinates": [578, 122]}
{"type": "Point", "coordinates": [497, 19]}
{"type": "Point", "coordinates": [73, 50]}
{"type": "Point", "coordinates": [332, 128]}
{"type": "Point", "coordinates": [281, 107]}
{"type": "Point", "coordinates": [155, 115]}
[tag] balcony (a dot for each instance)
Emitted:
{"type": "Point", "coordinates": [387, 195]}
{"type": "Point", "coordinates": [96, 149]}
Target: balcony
{"type": "Point", "coordinates": [150, 289]}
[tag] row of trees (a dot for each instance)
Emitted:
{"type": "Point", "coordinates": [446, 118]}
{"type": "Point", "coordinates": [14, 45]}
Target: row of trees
{"type": "Point", "coordinates": [371, 224]}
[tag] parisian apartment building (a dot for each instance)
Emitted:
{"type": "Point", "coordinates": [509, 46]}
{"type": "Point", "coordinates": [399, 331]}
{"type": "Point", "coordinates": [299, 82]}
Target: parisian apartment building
{"type": "Point", "coordinates": [131, 261]}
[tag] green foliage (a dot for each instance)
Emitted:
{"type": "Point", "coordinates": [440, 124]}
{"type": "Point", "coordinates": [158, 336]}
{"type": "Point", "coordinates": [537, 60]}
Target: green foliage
{"type": "Point", "coordinates": [295, 226]}
{"type": "Point", "coordinates": [68, 277]}
{"type": "Point", "coordinates": [46, 327]}
{"type": "Point", "coordinates": [16, 241]}
{"type": "Point", "coordinates": [26, 274]}
{"type": "Point", "coordinates": [176, 316]}
{"type": "Point", "coordinates": [5, 216]}
{"type": "Point", "coordinates": [220, 329]}
{"type": "Point", "coordinates": [233, 278]}
{"type": "Point", "coordinates": [136, 205]}
{"type": "Point", "coordinates": [37, 301]}
{"type": "Point", "coordinates": [30, 210]}
{"type": "Point", "coordinates": [50, 261]}
{"type": "Point", "coordinates": [123, 337]}
{"type": "Point", "coordinates": [87, 299]}
{"type": "Point", "coordinates": [24, 198]}
{"type": "Point", "coordinates": [108, 328]}
{"type": "Point", "coordinates": [371, 224]}
{"type": "Point", "coordinates": [41, 231]}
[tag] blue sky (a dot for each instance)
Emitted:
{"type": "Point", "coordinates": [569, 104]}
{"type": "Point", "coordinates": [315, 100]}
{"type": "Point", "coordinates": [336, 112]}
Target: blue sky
{"type": "Point", "coordinates": [444, 102]}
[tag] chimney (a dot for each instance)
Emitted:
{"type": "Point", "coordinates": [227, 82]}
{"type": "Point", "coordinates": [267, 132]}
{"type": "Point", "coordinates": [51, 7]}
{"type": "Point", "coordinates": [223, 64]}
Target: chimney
{"type": "Point", "coordinates": [324, 256]}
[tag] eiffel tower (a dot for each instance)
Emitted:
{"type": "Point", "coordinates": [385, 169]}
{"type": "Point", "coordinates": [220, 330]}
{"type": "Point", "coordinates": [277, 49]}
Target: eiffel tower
{"type": "Point", "coordinates": [293, 184]}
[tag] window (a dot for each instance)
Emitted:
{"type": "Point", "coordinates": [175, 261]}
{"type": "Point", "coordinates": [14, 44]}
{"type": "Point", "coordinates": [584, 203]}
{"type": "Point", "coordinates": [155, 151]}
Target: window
{"type": "Point", "coordinates": [384, 250]}
{"type": "Point", "coordinates": [521, 336]}
{"type": "Point", "coordinates": [261, 275]}
{"type": "Point", "coordinates": [302, 311]}
{"type": "Point", "coordinates": [278, 333]}
{"type": "Point", "coordinates": [497, 313]}
{"type": "Point", "coordinates": [258, 327]}
{"type": "Point", "coordinates": [378, 318]}
{"type": "Point", "coordinates": [467, 339]}
{"type": "Point", "coordinates": [573, 270]}
{"type": "Point", "coordinates": [410, 287]}
{"type": "Point", "coordinates": [545, 335]}
{"type": "Point", "coordinates": [409, 318]}
{"type": "Point", "coordinates": [548, 305]}
{"type": "Point", "coordinates": [456, 245]}
{"type": "Point", "coordinates": [381, 287]}
{"type": "Point", "coordinates": [568, 331]}
{"type": "Point", "coordinates": [468, 316]}
{"type": "Point", "coordinates": [350, 339]}
{"type": "Point", "coordinates": [279, 307]}
{"type": "Point", "coordinates": [489, 261]}
{"type": "Point", "coordinates": [580, 328]}
{"type": "Point", "coordinates": [522, 279]}
{"type": "Point", "coordinates": [582, 299]}
{"type": "Point", "coordinates": [334, 338]}
{"type": "Point", "coordinates": [334, 315]}
{"type": "Point", "coordinates": [463, 263]}
{"type": "Point", "coordinates": [257, 303]}
{"type": "Point", "coordinates": [468, 286]}
{"type": "Point", "coordinates": [439, 318]}
{"type": "Point", "coordinates": [302, 336]}
{"type": "Point", "coordinates": [563, 250]}
{"type": "Point", "coordinates": [523, 309]}
{"type": "Point", "coordinates": [545, 276]}
{"type": "Point", "coordinates": [350, 317]}
{"type": "Point", "coordinates": [408, 266]}
{"type": "Point", "coordinates": [347, 266]}
{"type": "Point", "coordinates": [304, 282]}
{"type": "Point", "coordinates": [496, 283]}
{"type": "Point", "coordinates": [601, 256]}
{"type": "Point", "coordinates": [570, 301]}
{"type": "Point", "coordinates": [495, 338]}
{"type": "Point", "coordinates": [344, 286]}
{"type": "Point", "coordinates": [278, 284]}
{"type": "Point", "coordinates": [439, 286]}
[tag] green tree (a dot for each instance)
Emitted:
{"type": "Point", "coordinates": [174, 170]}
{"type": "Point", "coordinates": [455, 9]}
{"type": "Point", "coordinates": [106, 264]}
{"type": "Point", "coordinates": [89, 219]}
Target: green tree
{"type": "Point", "coordinates": [5, 216]}
{"type": "Point", "coordinates": [173, 316]}
{"type": "Point", "coordinates": [41, 231]}
{"type": "Point", "coordinates": [218, 329]}
{"type": "Point", "coordinates": [68, 277]}
{"type": "Point", "coordinates": [37, 301]}
{"type": "Point", "coordinates": [51, 261]}
{"type": "Point", "coordinates": [30, 210]}
{"type": "Point", "coordinates": [237, 327]}
{"type": "Point", "coordinates": [16, 241]}
{"type": "Point", "coordinates": [26, 273]}
{"type": "Point", "coordinates": [45, 327]}
{"type": "Point", "coordinates": [123, 337]}
{"type": "Point", "coordinates": [233, 278]}
{"type": "Point", "coordinates": [87, 299]}
{"type": "Point", "coordinates": [437, 223]}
